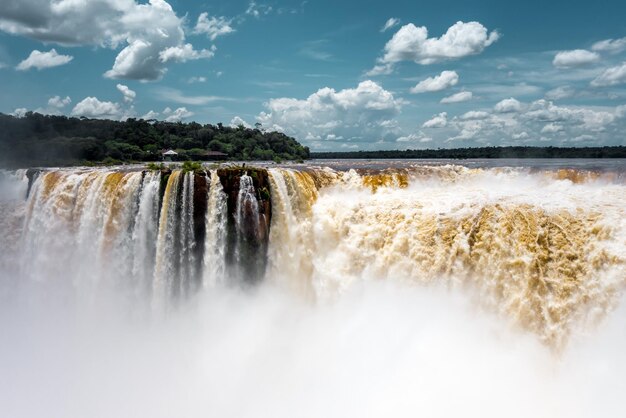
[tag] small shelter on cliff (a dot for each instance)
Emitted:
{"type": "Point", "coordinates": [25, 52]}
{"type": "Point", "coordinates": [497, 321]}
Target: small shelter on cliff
{"type": "Point", "coordinates": [170, 155]}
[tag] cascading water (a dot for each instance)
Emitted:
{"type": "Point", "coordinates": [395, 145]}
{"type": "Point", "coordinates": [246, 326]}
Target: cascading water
{"type": "Point", "coordinates": [216, 228]}
{"type": "Point", "coordinates": [545, 250]}
{"type": "Point", "coordinates": [247, 227]}
{"type": "Point", "coordinates": [549, 264]}
{"type": "Point", "coordinates": [145, 233]}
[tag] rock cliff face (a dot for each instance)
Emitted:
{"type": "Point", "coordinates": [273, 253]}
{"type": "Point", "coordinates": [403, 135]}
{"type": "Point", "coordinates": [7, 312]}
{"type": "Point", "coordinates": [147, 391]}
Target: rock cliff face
{"type": "Point", "coordinates": [249, 209]}
{"type": "Point", "coordinates": [246, 221]}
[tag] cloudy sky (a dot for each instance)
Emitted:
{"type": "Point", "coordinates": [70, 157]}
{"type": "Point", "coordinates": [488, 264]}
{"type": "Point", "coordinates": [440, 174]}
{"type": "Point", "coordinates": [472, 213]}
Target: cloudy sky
{"type": "Point", "coordinates": [336, 75]}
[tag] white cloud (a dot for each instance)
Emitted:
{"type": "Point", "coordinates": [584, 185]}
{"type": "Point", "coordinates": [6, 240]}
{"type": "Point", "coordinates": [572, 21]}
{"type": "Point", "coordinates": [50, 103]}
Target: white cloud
{"type": "Point", "coordinates": [438, 121]}
{"type": "Point", "coordinates": [419, 137]}
{"type": "Point", "coordinates": [129, 95]}
{"type": "Point", "coordinates": [91, 107]}
{"type": "Point", "coordinates": [441, 82]}
{"type": "Point", "coordinates": [58, 102]}
{"type": "Point", "coordinates": [213, 27]}
{"type": "Point", "coordinates": [20, 112]}
{"type": "Point", "coordinates": [508, 106]}
{"type": "Point", "coordinates": [184, 53]}
{"type": "Point", "coordinates": [462, 96]}
{"type": "Point", "coordinates": [150, 115]}
{"type": "Point", "coordinates": [611, 76]}
{"type": "Point", "coordinates": [193, 80]}
{"type": "Point", "coordinates": [535, 123]}
{"type": "Point", "coordinates": [167, 94]}
{"type": "Point", "coordinates": [380, 69]}
{"type": "Point", "coordinates": [575, 58]}
{"type": "Point", "coordinates": [474, 115]}
{"type": "Point", "coordinates": [612, 46]}
{"type": "Point", "coordinates": [41, 60]}
{"type": "Point", "coordinates": [559, 93]}
{"type": "Point", "coordinates": [237, 121]}
{"type": "Point", "coordinates": [177, 115]}
{"type": "Point", "coordinates": [411, 43]}
{"type": "Point", "coordinates": [257, 10]}
{"type": "Point", "coordinates": [365, 111]}
{"type": "Point", "coordinates": [546, 111]}
{"type": "Point", "coordinates": [391, 22]}
{"type": "Point", "coordinates": [551, 128]}
{"type": "Point", "coordinates": [144, 29]}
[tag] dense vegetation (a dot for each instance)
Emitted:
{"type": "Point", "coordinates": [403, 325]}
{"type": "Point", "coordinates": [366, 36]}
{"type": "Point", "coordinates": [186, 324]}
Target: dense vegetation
{"type": "Point", "coordinates": [485, 152]}
{"type": "Point", "coordinates": [44, 140]}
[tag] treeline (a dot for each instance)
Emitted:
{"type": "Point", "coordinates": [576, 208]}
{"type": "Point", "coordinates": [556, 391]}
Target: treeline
{"type": "Point", "coordinates": [484, 152]}
{"type": "Point", "coordinates": [45, 140]}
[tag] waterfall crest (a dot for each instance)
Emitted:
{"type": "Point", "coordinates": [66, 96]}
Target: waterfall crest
{"type": "Point", "coordinates": [543, 248]}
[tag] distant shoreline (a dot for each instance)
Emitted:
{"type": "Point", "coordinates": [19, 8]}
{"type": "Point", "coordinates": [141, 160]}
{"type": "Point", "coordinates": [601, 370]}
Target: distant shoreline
{"type": "Point", "coordinates": [482, 152]}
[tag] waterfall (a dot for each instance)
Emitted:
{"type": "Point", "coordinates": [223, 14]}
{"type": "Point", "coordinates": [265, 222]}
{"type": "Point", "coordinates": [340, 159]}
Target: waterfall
{"type": "Point", "coordinates": [290, 253]}
{"type": "Point", "coordinates": [167, 259]}
{"type": "Point", "coordinates": [247, 231]}
{"type": "Point", "coordinates": [545, 249]}
{"type": "Point", "coordinates": [214, 261]}
{"type": "Point", "coordinates": [145, 232]}
{"type": "Point", "coordinates": [187, 261]}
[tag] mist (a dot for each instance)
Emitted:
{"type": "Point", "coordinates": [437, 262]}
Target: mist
{"type": "Point", "coordinates": [378, 350]}
{"type": "Point", "coordinates": [437, 299]}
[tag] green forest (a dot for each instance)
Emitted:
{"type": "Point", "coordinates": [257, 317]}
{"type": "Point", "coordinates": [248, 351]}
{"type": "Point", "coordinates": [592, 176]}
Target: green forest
{"type": "Point", "coordinates": [45, 140]}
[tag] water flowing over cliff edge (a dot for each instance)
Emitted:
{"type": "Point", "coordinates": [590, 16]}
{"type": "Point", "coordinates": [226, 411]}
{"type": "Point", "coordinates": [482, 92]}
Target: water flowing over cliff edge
{"type": "Point", "coordinates": [398, 290]}
{"type": "Point", "coordinates": [546, 249]}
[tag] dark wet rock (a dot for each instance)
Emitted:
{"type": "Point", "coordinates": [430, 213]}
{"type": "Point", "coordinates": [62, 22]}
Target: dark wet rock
{"type": "Point", "coordinates": [200, 193]}
{"type": "Point", "coordinates": [247, 242]}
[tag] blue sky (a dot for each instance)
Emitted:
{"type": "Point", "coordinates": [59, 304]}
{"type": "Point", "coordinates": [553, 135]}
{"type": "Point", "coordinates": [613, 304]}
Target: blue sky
{"type": "Point", "coordinates": [336, 75]}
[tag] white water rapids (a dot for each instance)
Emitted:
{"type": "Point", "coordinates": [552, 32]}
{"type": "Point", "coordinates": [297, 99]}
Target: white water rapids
{"type": "Point", "coordinates": [437, 291]}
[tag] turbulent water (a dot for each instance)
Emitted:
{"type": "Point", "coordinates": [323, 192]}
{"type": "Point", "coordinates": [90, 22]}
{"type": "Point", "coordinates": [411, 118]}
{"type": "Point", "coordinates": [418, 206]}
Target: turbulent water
{"type": "Point", "coordinates": [386, 290]}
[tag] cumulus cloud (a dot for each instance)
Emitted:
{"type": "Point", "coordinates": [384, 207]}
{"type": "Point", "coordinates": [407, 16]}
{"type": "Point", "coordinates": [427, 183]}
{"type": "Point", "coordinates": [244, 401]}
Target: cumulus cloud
{"type": "Point", "coordinates": [366, 111]}
{"type": "Point", "coordinates": [462, 96]}
{"type": "Point", "coordinates": [390, 23]}
{"type": "Point", "coordinates": [411, 43]}
{"type": "Point", "coordinates": [213, 27]}
{"type": "Point", "coordinates": [129, 95]}
{"type": "Point", "coordinates": [238, 121]}
{"type": "Point", "coordinates": [612, 46]}
{"type": "Point", "coordinates": [144, 30]}
{"type": "Point", "coordinates": [588, 118]}
{"type": "Point", "coordinates": [40, 60]}
{"type": "Point", "coordinates": [559, 93]}
{"type": "Point", "coordinates": [20, 112]}
{"type": "Point", "coordinates": [185, 53]}
{"type": "Point", "coordinates": [438, 121]}
{"type": "Point", "coordinates": [58, 102]}
{"type": "Point", "coordinates": [150, 115]}
{"type": "Point", "coordinates": [441, 82]}
{"type": "Point", "coordinates": [91, 107]}
{"type": "Point", "coordinates": [508, 106]}
{"type": "Point", "coordinates": [532, 124]}
{"type": "Point", "coordinates": [611, 76]}
{"type": "Point", "coordinates": [551, 128]}
{"type": "Point", "coordinates": [575, 58]}
{"type": "Point", "coordinates": [418, 137]}
{"type": "Point", "coordinates": [474, 115]}
{"type": "Point", "coordinates": [177, 115]}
